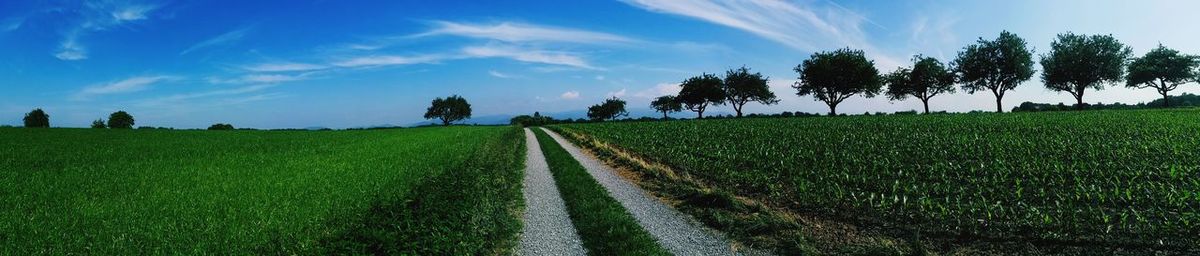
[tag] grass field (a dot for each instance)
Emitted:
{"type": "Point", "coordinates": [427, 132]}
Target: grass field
{"type": "Point", "coordinates": [603, 224]}
{"type": "Point", "coordinates": [423, 191]}
{"type": "Point", "coordinates": [1111, 179]}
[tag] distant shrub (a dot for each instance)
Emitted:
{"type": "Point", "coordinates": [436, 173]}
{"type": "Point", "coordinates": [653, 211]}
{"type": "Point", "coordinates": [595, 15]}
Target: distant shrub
{"type": "Point", "coordinates": [99, 124]}
{"type": "Point", "coordinates": [221, 127]}
{"type": "Point", "coordinates": [37, 119]}
{"type": "Point", "coordinates": [120, 120]}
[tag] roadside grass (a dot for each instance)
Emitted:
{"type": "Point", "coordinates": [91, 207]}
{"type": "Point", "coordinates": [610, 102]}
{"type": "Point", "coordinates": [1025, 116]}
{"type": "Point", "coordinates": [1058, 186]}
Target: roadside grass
{"type": "Point", "coordinates": [603, 224]}
{"type": "Point", "coordinates": [439, 190]}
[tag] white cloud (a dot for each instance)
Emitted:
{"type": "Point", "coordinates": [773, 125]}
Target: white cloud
{"type": "Point", "coordinates": [570, 95]}
{"type": "Point", "coordinates": [518, 32]}
{"type": "Point", "coordinates": [133, 84]}
{"type": "Point", "coordinates": [386, 60]}
{"type": "Point", "coordinates": [658, 90]}
{"type": "Point", "coordinates": [804, 27]}
{"type": "Point", "coordinates": [132, 12]}
{"type": "Point", "coordinates": [71, 50]}
{"type": "Point", "coordinates": [498, 74]}
{"type": "Point", "coordinates": [227, 37]}
{"type": "Point", "coordinates": [599, 78]}
{"type": "Point", "coordinates": [527, 55]}
{"type": "Point", "coordinates": [283, 67]}
{"type": "Point", "coordinates": [11, 24]}
{"type": "Point", "coordinates": [618, 94]}
{"type": "Point", "coordinates": [261, 79]}
{"type": "Point", "coordinates": [167, 100]}
{"type": "Point", "coordinates": [98, 16]}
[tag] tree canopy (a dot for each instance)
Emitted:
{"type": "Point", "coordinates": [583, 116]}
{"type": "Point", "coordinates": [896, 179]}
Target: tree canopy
{"type": "Point", "coordinates": [1163, 69]}
{"type": "Point", "coordinates": [449, 110]}
{"type": "Point", "coordinates": [220, 127]}
{"type": "Point", "coordinates": [742, 87]}
{"type": "Point", "coordinates": [834, 76]}
{"type": "Point", "coordinates": [699, 92]}
{"type": "Point", "coordinates": [37, 119]}
{"type": "Point", "coordinates": [99, 124]}
{"type": "Point", "coordinates": [610, 109]}
{"type": "Point", "coordinates": [927, 78]}
{"type": "Point", "coordinates": [120, 120]}
{"type": "Point", "coordinates": [666, 104]}
{"type": "Point", "coordinates": [998, 65]}
{"type": "Point", "coordinates": [1078, 62]}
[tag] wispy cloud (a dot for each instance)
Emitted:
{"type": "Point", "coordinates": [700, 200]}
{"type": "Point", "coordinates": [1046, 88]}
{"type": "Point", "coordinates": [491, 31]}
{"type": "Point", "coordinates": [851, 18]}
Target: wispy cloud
{"type": "Point", "coordinates": [658, 90]}
{"type": "Point", "coordinates": [283, 67]}
{"type": "Point", "coordinates": [527, 55]}
{"type": "Point", "coordinates": [171, 99]}
{"type": "Point", "coordinates": [498, 74]}
{"type": "Point", "coordinates": [262, 78]}
{"type": "Point", "coordinates": [129, 85]}
{"type": "Point", "coordinates": [569, 95]}
{"type": "Point", "coordinates": [519, 32]}
{"type": "Point", "coordinates": [12, 23]}
{"type": "Point", "coordinates": [99, 16]}
{"type": "Point", "coordinates": [226, 38]}
{"type": "Point", "coordinates": [386, 60]}
{"type": "Point", "coordinates": [806, 27]}
{"type": "Point", "coordinates": [618, 94]}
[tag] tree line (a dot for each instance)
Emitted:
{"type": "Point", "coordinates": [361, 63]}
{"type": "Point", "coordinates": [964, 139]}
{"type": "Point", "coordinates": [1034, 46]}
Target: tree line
{"type": "Point", "coordinates": [1075, 64]}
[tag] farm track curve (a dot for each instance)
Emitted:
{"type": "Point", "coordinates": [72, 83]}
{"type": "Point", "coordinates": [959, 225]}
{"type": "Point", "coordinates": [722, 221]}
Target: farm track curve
{"type": "Point", "coordinates": [675, 231]}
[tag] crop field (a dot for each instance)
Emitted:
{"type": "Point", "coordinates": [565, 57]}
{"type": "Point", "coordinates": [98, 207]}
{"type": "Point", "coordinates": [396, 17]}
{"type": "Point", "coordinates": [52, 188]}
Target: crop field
{"type": "Point", "coordinates": [84, 191]}
{"type": "Point", "coordinates": [1120, 179]}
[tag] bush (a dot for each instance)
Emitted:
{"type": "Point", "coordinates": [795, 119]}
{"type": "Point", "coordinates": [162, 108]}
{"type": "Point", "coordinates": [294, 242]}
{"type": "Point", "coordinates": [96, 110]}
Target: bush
{"type": "Point", "coordinates": [99, 124]}
{"type": "Point", "coordinates": [220, 127]}
{"type": "Point", "coordinates": [120, 120]}
{"type": "Point", "coordinates": [37, 119]}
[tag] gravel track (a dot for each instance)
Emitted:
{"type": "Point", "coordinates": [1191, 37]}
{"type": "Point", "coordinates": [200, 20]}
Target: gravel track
{"type": "Point", "coordinates": [675, 231]}
{"type": "Point", "coordinates": [548, 229]}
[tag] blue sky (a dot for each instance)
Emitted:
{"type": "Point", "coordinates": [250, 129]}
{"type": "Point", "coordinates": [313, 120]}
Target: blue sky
{"type": "Point", "coordinates": [281, 64]}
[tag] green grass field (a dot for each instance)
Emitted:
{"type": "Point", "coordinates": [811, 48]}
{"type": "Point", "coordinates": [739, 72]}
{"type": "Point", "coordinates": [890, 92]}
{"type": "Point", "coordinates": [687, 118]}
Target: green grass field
{"type": "Point", "coordinates": [82, 191]}
{"type": "Point", "coordinates": [1110, 179]}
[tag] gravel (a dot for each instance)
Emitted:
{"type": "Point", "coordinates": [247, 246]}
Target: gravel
{"type": "Point", "coordinates": [548, 229]}
{"type": "Point", "coordinates": [678, 233]}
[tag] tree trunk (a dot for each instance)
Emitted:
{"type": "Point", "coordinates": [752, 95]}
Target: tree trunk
{"type": "Point", "coordinates": [445, 122]}
{"type": "Point", "coordinates": [832, 109]}
{"type": "Point", "coordinates": [664, 115]}
{"type": "Point", "coordinates": [1079, 101]}
{"type": "Point", "coordinates": [1166, 99]}
{"type": "Point", "coordinates": [700, 114]}
{"type": "Point", "coordinates": [999, 109]}
{"type": "Point", "coordinates": [738, 109]}
{"type": "Point", "coordinates": [926, 103]}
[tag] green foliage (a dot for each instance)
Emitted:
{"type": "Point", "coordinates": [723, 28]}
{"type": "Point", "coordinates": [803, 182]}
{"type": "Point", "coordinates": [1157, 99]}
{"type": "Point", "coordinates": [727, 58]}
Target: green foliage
{"type": "Point", "coordinates": [1163, 69]}
{"type": "Point", "coordinates": [1079, 62]}
{"type": "Point", "coordinates": [454, 191]}
{"type": "Point", "coordinates": [834, 76]}
{"type": "Point", "coordinates": [535, 120]}
{"type": "Point", "coordinates": [699, 92]}
{"type": "Point", "coordinates": [998, 65]}
{"type": "Point", "coordinates": [37, 119]}
{"type": "Point", "coordinates": [120, 120]}
{"type": "Point", "coordinates": [927, 78]}
{"type": "Point", "coordinates": [220, 127]}
{"type": "Point", "coordinates": [449, 110]}
{"type": "Point", "coordinates": [603, 224]}
{"type": "Point", "coordinates": [1055, 177]}
{"type": "Point", "coordinates": [666, 104]}
{"type": "Point", "coordinates": [99, 124]}
{"type": "Point", "coordinates": [608, 110]}
{"type": "Point", "coordinates": [742, 87]}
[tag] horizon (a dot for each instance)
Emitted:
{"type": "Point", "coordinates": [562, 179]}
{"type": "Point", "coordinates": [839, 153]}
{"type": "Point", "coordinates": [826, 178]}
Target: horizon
{"type": "Point", "coordinates": [288, 64]}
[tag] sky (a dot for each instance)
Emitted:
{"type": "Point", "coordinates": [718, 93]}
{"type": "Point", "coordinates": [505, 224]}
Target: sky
{"type": "Point", "coordinates": [345, 64]}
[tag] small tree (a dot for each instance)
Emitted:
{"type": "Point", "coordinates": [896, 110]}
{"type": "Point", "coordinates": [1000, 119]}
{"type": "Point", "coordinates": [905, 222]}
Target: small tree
{"type": "Point", "coordinates": [832, 77]}
{"type": "Point", "coordinates": [120, 120]}
{"type": "Point", "coordinates": [449, 110]}
{"type": "Point", "coordinates": [699, 92]}
{"type": "Point", "coordinates": [99, 124]}
{"type": "Point", "coordinates": [37, 119]}
{"type": "Point", "coordinates": [997, 66]}
{"type": "Point", "coordinates": [220, 127]}
{"type": "Point", "coordinates": [742, 87]}
{"type": "Point", "coordinates": [1163, 69]}
{"type": "Point", "coordinates": [927, 78]}
{"type": "Point", "coordinates": [666, 104]}
{"type": "Point", "coordinates": [608, 110]}
{"type": "Point", "coordinates": [1079, 62]}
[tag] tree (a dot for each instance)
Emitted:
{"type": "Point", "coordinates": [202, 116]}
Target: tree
{"type": "Point", "coordinates": [834, 76]}
{"type": "Point", "coordinates": [699, 92]}
{"type": "Point", "coordinates": [449, 110]}
{"type": "Point", "coordinates": [99, 124]}
{"type": "Point", "coordinates": [37, 119]}
{"type": "Point", "coordinates": [610, 109]}
{"type": "Point", "coordinates": [1079, 62]}
{"type": "Point", "coordinates": [666, 104]}
{"type": "Point", "coordinates": [742, 87]}
{"type": "Point", "coordinates": [220, 127]}
{"type": "Point", "coordinates": [997, 66]}
{"type": "Point", "coordinates": [927, 78]}
{"type": "Point", "coordinates": [1163, 69]}
{"type": "Point", "coordinates": [120, 120]}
